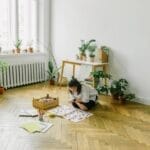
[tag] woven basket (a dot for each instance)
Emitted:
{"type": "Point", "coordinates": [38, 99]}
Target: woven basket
{"type": "Point", "coordinates": [45, 103]}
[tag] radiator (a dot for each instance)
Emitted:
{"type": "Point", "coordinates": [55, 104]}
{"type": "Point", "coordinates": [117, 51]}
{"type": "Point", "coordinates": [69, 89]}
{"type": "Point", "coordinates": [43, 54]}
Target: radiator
{"type": "Point", "coordinates": [23, 74]}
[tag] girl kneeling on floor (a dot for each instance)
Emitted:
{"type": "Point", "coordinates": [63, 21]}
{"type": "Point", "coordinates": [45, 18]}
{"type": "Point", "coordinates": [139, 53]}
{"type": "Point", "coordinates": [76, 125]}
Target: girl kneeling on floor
{"type": "Point", "coordinates": [83, 96]}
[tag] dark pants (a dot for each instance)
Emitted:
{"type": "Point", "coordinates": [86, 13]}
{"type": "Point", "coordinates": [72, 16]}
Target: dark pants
{"type": "Point", "coordinates": [89, 105]}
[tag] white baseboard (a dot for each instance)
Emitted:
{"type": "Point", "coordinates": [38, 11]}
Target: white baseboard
{"type": "Point", "coordinates": [142, 100]}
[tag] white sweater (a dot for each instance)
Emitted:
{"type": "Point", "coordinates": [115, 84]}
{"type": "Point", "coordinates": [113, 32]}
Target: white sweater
{"type": "Point", "coordinates": [87, 93]}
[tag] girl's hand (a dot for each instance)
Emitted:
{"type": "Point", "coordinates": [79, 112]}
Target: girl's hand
{"type": "Point", "coordinates": [78, 100]}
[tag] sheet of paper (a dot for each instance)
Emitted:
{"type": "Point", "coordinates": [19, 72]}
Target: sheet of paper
{"type": "Point", "coordinates": [71, 113]}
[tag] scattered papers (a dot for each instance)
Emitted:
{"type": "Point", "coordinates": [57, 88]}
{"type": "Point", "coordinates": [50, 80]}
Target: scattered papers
{"type": "Point", "coordinates": [36, 126]}
{"type": "Point", "coordinates": [28, 113]}
{"type": "Point", "coordinates": [71, 113]}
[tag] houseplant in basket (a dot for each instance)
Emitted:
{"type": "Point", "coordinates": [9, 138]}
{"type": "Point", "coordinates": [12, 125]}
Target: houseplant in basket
{"type": "Point", "coordinates": [92, 49]}
{"type": "Point", "coordinates": [52, 73]}
{"type": "Point", "coordinates": [3, 66]}
{"type": "Point", "coordinates": [84, 46]}
{"type": "Point", "coordinates": [104, 54]}
{"type": "Point", "coordinates": [17, 45]}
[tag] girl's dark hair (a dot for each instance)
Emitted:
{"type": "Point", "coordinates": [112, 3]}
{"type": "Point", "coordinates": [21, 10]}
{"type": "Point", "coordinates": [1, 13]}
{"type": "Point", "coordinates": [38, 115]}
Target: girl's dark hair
{"type": "Point", "coordinates": [75, 83]}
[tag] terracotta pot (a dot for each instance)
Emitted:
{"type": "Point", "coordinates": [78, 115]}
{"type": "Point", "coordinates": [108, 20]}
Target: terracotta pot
{"type": "Point", "coordinates": [1, 90]}
{"type": "Point", "coordinates": [52, 82]}
{"type": "Point", "coordinates": [18, 50]}
{"type": "Point", "coordinates": [104, 57]}
{"type": "Point", "coordinates": [30, 49]}
{"type": "Point", "coordinates": [82, 57]}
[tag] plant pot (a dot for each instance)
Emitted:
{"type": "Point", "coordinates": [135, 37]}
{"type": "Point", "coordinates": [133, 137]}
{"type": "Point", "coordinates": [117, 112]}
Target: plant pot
{"type": "Point", "coordinates": [18, 50]}
{"type": "Point", "coordinates": [30, 49]}
{"type": "Point", "coordinates": [92, 59]}
{"type": "Point", "coordinates": [115, 97]}
{"type": "Point", "coordinates": [83, 57]}
{"type": "Point", "coordinates": [104, 57]}
{"type": "Point", "coordinates": [52, 82]}
{"type": "Point", "coordinates": [122, 100]}
{"type": "Point", "coordinates": [1, 90]}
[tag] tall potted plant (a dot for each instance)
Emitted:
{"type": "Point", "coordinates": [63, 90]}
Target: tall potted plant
{"type": "Point", "coordinates": [17, 45]}
{"type": "Point", "coordinates": [3, 66]}
{"type": "Point", "coordinates": [104, 54]}
{"type": "Point", "coordinates": [92, 49]}
{"type": "Point", "coordinates": [84, 46]}
{"type": "Point", "coordinates": [52, 73]}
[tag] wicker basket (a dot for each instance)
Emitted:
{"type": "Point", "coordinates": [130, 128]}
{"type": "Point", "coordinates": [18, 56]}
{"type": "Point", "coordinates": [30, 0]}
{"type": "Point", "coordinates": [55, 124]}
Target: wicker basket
{"type": "Point", "coordinates": [45, 103]}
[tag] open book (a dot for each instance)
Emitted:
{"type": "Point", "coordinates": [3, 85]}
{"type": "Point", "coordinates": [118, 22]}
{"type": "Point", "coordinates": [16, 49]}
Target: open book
{"type": "Point", "coordinates": [36, 126]}
{"type": "Point", "coordinates": [28, 113]}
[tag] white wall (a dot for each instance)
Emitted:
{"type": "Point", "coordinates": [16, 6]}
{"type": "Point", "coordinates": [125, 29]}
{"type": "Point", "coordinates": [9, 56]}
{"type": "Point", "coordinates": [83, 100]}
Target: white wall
{"type": "Point", "coordinates": [124, 25]}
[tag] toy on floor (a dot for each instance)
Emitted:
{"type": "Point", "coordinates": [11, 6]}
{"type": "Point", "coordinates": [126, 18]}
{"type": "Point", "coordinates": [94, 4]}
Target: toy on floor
{"type": "Point", "coordinates": [43, 104]}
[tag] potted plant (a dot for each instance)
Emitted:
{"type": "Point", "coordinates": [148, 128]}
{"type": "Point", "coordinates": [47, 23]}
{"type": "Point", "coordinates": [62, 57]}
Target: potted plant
{"type": "Point", "coordinates": [99, 76]}
{"type": "Point", "coordinates": [17, 45]}
{"type": "Point", "coordinates": [30, 48]}
{"type": "Point", "coordinates": [3, 66]}
{"type": "Point", "coordinates": [118, 90]}
{"type": "Point", "coordinates": [91, 49]}
{"type": "Point", "coordinates": [84, 47]}
{"type": "Point", "coordinates": [52, 73]}
{"type": "Point", "coordinates": [104, 54]}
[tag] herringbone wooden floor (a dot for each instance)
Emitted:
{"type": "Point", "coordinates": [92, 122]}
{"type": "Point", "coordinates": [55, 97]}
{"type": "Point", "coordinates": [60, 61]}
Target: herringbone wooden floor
{"type": "Point", "coordinates": [112, 127]}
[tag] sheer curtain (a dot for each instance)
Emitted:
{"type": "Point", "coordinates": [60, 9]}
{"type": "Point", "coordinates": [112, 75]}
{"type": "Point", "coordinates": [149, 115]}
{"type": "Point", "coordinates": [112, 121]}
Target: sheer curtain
{"type": "Point", "coordinates": [18, 20]}
{"type": "Point", "coordinates": [5, 24]}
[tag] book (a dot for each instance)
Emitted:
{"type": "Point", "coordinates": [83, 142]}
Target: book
{"type": "Point", "coordinates": [28, 113]}
{"type": "Point", "coordinates": [36, 126]}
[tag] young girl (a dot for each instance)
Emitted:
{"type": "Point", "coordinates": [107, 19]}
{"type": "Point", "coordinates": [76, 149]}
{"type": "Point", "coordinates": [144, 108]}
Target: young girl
{"type": "Point", "coordinates": [83, 96]}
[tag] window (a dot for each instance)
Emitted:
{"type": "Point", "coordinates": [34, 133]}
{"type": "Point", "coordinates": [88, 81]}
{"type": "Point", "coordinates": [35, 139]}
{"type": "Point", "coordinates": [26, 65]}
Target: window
{"type": "Point", "coordinates": [5, 27]}
{"type": "Point", "coordinates": [18, 20]}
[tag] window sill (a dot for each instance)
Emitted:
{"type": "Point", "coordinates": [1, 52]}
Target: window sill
{"type": "Point", "coordinates": [22, 55]}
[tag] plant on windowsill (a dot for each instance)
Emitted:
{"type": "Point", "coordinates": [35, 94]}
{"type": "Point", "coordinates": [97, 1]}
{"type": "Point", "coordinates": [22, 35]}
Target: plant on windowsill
{"type": "Point", "coordinates": [84, 46]}
{"type": "Point", "coordinates": [30, 48]}
{"type": "Point", "coordinates": [104, 54]}
{"type": "Point", "coordinates": [18, 45]}
{"type": "Point", "coordinates": [3, 66]}
{"type": "Point", "coordinates": [92, 49]}
{"type": "Point", "coordinates": [52, 73]}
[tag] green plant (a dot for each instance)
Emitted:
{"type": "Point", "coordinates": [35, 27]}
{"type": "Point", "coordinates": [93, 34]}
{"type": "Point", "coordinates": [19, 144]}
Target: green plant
{"type": "Point", "coordinates": [52, 72]}
{"type": "Point", "coordinates": [98, 75]}
{"type": "Point", "coordinates": [118, 88]}
{"type": "Point", "coordinates": [129, 96]}
{"type": "Point", "coordinates": [105, 49]}
{"type": "Point", "coordinates": [91, 49]}
{"type": "Point", "coordinates": [84, 46]}
{"type": "Point", "coordinates": [18, 43]}
{"type": "Point", "coordinates": [3, 66]}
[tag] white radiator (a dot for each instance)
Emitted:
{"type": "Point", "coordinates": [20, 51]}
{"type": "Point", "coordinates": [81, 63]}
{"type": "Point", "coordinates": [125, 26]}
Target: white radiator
{"type": "Point", "coordinates": [23, 74]}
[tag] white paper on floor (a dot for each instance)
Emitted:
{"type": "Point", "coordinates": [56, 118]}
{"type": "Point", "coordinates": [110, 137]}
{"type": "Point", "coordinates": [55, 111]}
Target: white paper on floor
{"type": "Point", "coordinates": [71, 113]}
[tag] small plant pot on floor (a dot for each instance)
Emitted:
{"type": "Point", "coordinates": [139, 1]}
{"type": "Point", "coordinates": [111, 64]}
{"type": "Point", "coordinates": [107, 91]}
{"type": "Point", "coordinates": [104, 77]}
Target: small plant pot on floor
{"type": "Point", "coordinates": [2, 90]}
{"type": "Point", "coordinates": [52, 82]}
